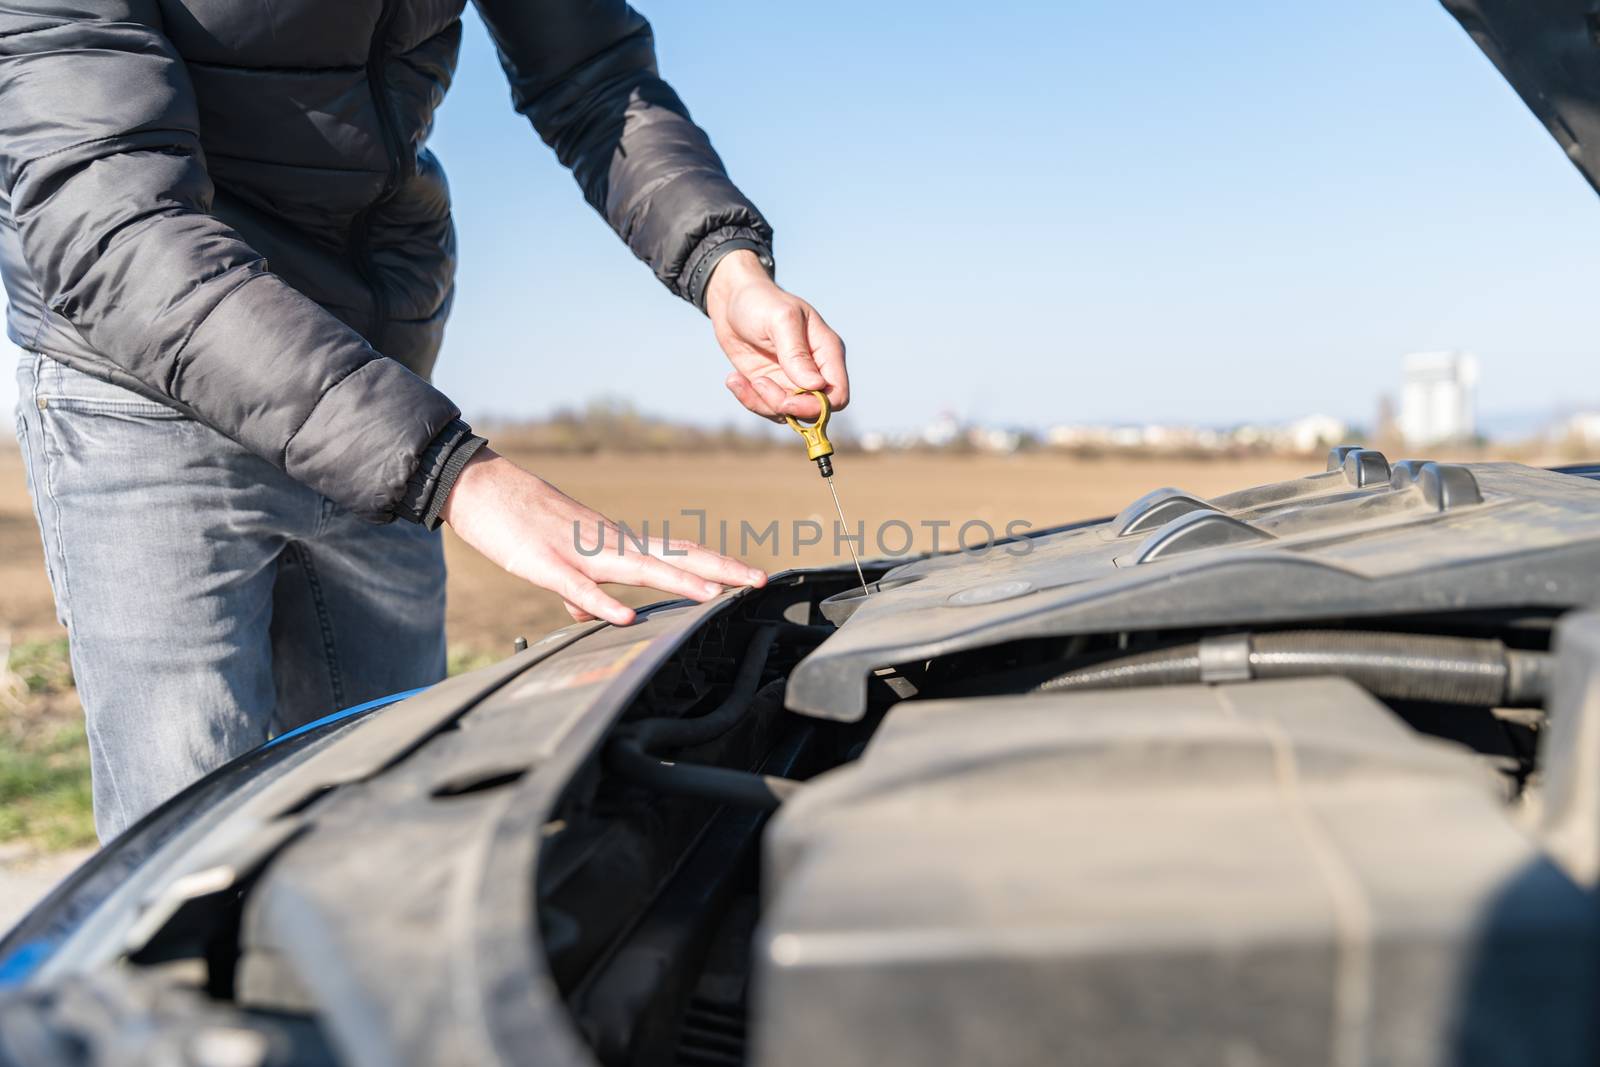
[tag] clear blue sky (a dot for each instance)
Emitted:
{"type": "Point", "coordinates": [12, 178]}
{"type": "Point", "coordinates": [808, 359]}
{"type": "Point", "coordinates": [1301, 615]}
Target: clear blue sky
{"type": "Point", "coordinates": [1041, 212]}
{"type": "Point", "coordinates": [1035, 212]}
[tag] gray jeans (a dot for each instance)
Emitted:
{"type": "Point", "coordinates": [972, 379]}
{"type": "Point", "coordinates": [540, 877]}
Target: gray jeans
{"type": "Point", "coordinates": [211, 601]}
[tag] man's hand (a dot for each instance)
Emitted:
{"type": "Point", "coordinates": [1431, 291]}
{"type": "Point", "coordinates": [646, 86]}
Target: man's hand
{"type": "Point", "coordinates": [534, 531]}
{"type": "Point", "coordinates": [776, 342]}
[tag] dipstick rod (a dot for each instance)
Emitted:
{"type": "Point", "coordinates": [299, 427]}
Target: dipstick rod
{"type": "Point", "coordinates": [850, 544]}
{"type": "Point", "coordinates": [819, 448]}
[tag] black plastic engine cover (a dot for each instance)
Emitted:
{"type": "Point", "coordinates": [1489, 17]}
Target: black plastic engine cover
{"type": "Point", "coordinates": [1260, 873]}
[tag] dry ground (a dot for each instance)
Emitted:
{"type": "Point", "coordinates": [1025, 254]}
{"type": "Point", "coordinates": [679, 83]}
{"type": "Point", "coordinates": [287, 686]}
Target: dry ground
{"type": "Point", "coordinates": [488, 609]}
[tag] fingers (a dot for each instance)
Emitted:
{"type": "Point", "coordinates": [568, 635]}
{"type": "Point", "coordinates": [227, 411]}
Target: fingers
{"type": "Point", "coordinates": [579, 591]}
{"type": "Point", "coordinates": [532, 530]}
{"type": "Point", "coordinates": [780, 348]}
{"type": "Point", "coordinates": [828, 350]}
{"type": "Point", "coordinates": [790, 339]}
{"type": "Point", "coordinates": [813, 360]}
{"type": "Point", "coordinates": [689, 571]}
{"type": "Point", "coordinates": [635, 568]}
{"type": "Point", "coordinates": [779, 396]}
{"type": "Point", "coordinates": [577, 613]}
{"type": "Point", "coordinates": [770, 397]}
{"type": "Point", "coordinates": [744, 392]}
{"type": "Point", "coordinates": [697, 559]}
{"type": "Point", "coordinates": [680, 568]}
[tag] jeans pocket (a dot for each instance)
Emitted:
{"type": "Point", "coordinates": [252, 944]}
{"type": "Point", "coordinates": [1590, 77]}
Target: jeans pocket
{"type": "Point", "coordinates": [135, 408]}
{"type": "Point", "coordinates": [61, 388]}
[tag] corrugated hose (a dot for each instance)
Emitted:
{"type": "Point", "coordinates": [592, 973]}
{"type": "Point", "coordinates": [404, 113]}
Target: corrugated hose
{"type": "Point", "coordinates": [1398, 666]}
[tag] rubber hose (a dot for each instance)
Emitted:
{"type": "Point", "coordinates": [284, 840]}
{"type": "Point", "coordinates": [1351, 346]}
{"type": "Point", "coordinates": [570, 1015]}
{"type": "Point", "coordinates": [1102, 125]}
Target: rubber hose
{"type": "Point", "coordinates": [719, 784]}
{"type": "Point", "coordinates": [682, 733]}
{"type": "Point", "coordinates": [629, 754]}
{"type": "Point", "coordinates": [1420, 667]}
{"type": "Point", "coordinates": [1167, 666]}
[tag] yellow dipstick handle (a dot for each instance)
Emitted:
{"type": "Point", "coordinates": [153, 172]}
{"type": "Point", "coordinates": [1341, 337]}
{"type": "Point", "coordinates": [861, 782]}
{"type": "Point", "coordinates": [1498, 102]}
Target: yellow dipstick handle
{"type": "Point", "coordinates": [818, 447]}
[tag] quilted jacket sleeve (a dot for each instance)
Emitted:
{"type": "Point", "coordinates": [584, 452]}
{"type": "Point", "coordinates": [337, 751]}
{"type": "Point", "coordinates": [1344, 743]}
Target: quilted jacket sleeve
{"type": "Point", "coordinates": [100, 159]}
{"type": "Point", "coordinates": [584, 72]}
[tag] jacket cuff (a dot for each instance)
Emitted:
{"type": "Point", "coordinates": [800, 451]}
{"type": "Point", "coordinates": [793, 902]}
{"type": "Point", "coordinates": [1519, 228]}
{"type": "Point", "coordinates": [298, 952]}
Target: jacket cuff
{"type": "Point", "coordinates": [709, 252]}
{"type": "Point", "coordinates": [437, 469]}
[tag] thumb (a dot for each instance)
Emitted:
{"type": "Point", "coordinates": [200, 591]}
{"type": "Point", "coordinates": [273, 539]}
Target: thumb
{"type": "Point", "coordinates": [794, 350]}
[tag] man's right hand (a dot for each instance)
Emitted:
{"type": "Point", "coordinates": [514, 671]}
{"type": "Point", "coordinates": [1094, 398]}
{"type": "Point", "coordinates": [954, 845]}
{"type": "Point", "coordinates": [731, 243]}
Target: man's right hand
{"type": "Point", "coordinates": [533, 530]}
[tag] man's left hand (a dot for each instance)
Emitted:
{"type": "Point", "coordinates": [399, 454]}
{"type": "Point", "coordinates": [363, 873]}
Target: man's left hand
{"type": "Point", "coordinates": [777, 343]}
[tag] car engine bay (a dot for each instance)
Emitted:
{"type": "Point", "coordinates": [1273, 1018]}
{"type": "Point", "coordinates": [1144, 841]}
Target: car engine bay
{"type": "Point", "coordinates": [1336, 806]}
{"type": "Point", "coordinates": [1307, 839]}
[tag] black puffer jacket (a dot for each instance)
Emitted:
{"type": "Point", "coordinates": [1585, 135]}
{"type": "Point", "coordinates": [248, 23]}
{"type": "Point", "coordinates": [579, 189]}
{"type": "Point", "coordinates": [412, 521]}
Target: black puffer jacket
{"type": "Point", "coordinates": [228, 205]}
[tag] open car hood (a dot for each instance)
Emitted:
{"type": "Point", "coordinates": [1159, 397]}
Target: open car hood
{"type": "Point", "coordinates": [1549, 50]}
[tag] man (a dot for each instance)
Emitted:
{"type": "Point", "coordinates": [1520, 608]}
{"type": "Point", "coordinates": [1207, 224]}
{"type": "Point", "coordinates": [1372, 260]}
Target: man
{"type": "Point", "coordinates": [229, 261]}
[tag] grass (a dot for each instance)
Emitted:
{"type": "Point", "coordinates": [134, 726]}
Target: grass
{"type": "Point", "coordinates": [44, 790]}
{"type": "Point", "coordinates": [45, 799]}
{"type": "Point", "coordinates": [464, 658]}
{"type": "Point", "coordinates": [44, 756]}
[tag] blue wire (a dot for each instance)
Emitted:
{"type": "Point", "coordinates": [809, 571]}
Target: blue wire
{"type": "Point", "coordinates": [16, 967]}
{"type": "Point", "coordinates": [23, 961]}
{"type": "Point", "coordinates": [317, 724]}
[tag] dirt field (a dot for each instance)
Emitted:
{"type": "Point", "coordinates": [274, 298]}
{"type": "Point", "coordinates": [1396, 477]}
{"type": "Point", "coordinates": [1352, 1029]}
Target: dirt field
{"type": "Point", "coordinates": [488, 609]}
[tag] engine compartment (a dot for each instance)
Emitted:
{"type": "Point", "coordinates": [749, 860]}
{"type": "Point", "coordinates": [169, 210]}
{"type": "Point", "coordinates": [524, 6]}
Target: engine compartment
{"type": "Point", "coordinates": [1315, 834]}
{"type": "Point", "coordinates": [1103, 818]}
{"type": "Point", "coordinates": [925, 884]}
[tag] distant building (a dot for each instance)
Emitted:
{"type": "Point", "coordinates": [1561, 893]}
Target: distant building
{"type": "Point", "coordinates": [1438, 402]}
{"type": "Point", "coordinates": [1583, 429]}
{"type": "Point", "coordinates": [1386, 426]}
{"type": "Point", "coordinates": [943, 431]}
{"type": "Point", "coordinates": [988, 439]}
{"type": "Point", "coordinates": [1314, 433]}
